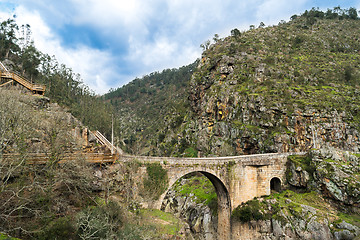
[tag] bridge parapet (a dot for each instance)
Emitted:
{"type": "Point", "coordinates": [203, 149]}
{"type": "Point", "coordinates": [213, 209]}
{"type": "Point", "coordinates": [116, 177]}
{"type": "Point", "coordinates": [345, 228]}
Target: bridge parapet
{"type": "Point", "coordinates": [244, 160]}
{"type": "Point", "coordinates": [244, 177]}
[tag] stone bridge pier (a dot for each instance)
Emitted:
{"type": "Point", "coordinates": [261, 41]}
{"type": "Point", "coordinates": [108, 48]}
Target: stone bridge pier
{"type": "Point", "coordinates": [236, 179]}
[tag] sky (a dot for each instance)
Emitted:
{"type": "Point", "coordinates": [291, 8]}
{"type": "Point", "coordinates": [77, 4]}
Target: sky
{"type": "Point", "coordinates": [111, 42]}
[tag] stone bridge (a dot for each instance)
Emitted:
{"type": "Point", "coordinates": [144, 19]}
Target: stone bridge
{"type": "Point", "coordinates": [236, 179]}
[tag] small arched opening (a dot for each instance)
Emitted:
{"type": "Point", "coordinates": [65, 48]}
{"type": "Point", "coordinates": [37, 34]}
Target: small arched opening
{"type": "Point", "coordinates": [275, 184]}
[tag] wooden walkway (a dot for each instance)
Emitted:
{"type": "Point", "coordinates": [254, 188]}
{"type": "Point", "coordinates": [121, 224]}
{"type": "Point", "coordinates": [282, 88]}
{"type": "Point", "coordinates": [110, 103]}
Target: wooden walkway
{"type": "Point", "coordinates": [43, 158]}
{"type": "Point", "coordinates": [12, 77]}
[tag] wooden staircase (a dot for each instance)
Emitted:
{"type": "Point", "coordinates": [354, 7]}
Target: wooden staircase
{"type": "Point", "coordinates": [107, 143]}
{"type": "Point", "coordinates": [12, 76]}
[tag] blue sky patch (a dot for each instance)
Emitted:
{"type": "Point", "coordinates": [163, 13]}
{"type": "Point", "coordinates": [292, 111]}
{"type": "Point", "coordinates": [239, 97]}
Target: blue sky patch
{"type": "Point", "coordinates": [111, 42]}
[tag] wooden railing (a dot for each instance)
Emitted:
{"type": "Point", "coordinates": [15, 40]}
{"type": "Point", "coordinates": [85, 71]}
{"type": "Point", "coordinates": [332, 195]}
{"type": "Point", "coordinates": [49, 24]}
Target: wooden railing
{"type": "Point", "coordinates": [43, 158]}
{"type": "Point", "coordinates": [4, 84]}
{"type": "Point", "coordinates": [21, 80]}
{"type": "Point", "coordinates": [104, 141]}
{"type": "Point", "coordinates": [35, 88]}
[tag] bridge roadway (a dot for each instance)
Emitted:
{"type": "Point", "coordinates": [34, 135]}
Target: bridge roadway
{"type": "Point", "coordinates": [236, 179]}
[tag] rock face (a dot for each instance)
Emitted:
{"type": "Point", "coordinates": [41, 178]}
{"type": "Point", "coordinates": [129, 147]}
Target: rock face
{"type": "Point", "coordinates": [333, 172]}
{"type": "Point", "coordinates": [200, 218]}
{"type": "Point", "coordinates": [231, 123]}
{"type": "Point", "coordinates": [325, 202]}
{"type": "Point", "coordinates": [262, 93]}
{"type": "Point", "coordinates": [274, 229]}
{"type": "Point", "coordinates": [337, 175]}
{"type": "Point", "coordinates": [297, 229]}
{"type": "Point", "coordinates": [298, 176]}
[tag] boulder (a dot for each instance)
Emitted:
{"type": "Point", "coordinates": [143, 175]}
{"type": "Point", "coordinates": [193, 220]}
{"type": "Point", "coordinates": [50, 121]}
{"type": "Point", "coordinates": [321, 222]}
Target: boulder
{"type": "Point", "coordinates": [297, 176]}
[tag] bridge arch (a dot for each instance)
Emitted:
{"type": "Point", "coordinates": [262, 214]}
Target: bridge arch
{"type": "Point", "coordinates": [223, 199]}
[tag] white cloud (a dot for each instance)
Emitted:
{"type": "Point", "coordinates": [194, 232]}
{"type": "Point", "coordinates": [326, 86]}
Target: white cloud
{"type": "Point", "coordinates": [114, 17]}
{"type": "Point", "coordinates": [140, 36]}
{"type": "Point", "coordinates": [163, 53]}
{"type": "Point", "coordinates": [94, 66]}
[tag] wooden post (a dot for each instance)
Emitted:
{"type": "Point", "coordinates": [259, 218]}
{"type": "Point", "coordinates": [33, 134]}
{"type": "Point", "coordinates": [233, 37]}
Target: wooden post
{"type": "Point", "coordinates": [112, 134]}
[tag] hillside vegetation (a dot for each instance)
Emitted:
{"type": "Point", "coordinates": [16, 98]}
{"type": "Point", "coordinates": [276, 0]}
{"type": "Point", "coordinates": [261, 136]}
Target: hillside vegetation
{"type": "Point", "coordinates": [290, 87]}
{"type": "Point", "coordinates": [70, 200]}
{"type": "Point", "coordinates": [146, 107]}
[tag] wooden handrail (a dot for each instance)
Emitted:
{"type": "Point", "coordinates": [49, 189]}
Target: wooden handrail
{"type": "Point", "coordinates": [104, 141]}
{"type": "Point", "coordinates": [23, 81]}
{"type": "Point", "coordinates": [3, 66]}
{"type": "Point", "coordinates": [4, 84]}
{"type": "Point", "coordinates": [43, 158]}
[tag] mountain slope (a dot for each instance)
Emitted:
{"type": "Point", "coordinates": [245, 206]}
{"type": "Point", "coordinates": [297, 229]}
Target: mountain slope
{"type": "Point", "coordinates": [289, 87]}
{"type": "Point", "coordinates": [146, 107]}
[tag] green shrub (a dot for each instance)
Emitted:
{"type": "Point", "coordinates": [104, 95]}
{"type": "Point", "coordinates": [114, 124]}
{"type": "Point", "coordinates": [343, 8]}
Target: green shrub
{"type": "Point", "coordinates": [156, 181]}
{"type": "Point", "coordinates": [61, 228]}
{"type": "Point", "coordinates": [190, 152]}
{"type": "Point", "coordinates": [251, 210]}
{"type": "Point", "coordinates": [6, 237]}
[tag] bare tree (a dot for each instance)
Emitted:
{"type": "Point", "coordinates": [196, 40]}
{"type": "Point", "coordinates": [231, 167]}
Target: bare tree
{"type": "Point", "coordinates": [14, 132]}
{"type": "Point", "coordinates": [15, 122]}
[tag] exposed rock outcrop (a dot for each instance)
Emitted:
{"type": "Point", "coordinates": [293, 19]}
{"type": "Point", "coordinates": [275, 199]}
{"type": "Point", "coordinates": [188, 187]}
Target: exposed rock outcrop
{"type": "Point", "coordinates": [324, 204]}
{"type": "Point", "coordinates": [201, 219]}
{"type": "Point", "coordinates": [337, 173]}
{"type": "Point", "coordinates": [258, 94]}
{"type": "Point", "coordinates": [332, 172]}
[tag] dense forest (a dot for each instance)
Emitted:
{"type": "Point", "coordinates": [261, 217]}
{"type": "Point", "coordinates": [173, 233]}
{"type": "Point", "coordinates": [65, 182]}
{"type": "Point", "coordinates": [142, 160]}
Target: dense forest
{"type": "Point", "coordinates": [63, 86]}
{"type": "Point", "coordinates": [146, 107]}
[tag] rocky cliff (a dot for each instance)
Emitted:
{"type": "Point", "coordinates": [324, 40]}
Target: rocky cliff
{"type": "Point", "coordinates": [268, 91]}
{"type": "Point", "coordinates": [290, 87]}
{"type": "Point", "coordinates": [323, 202]}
